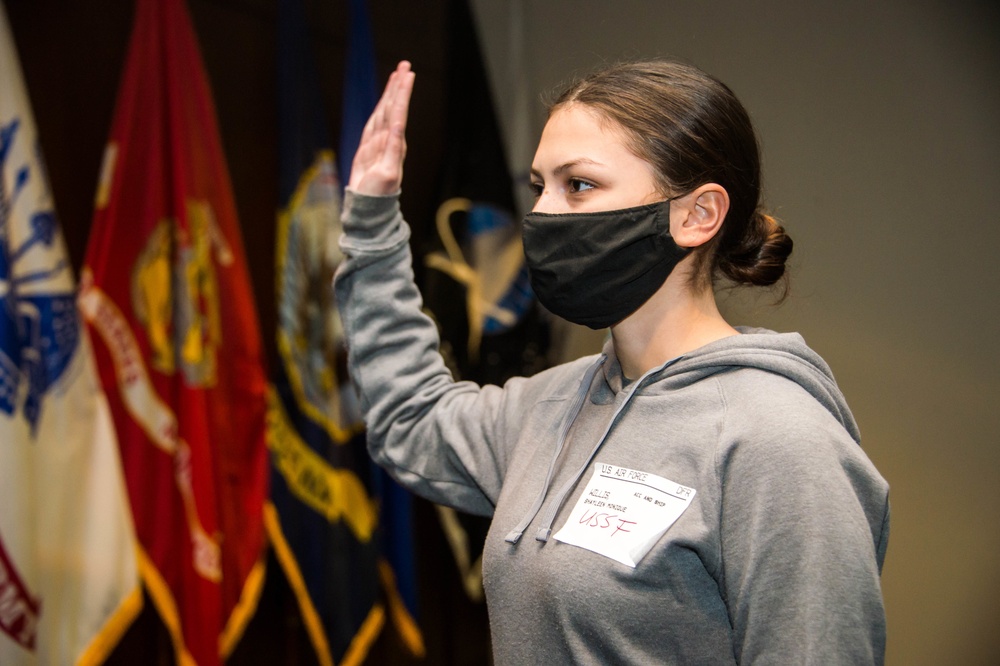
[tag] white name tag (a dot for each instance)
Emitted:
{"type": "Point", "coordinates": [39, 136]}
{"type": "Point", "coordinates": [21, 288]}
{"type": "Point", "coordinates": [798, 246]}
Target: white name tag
{"type": "Point", "coordinates": [623, 512]}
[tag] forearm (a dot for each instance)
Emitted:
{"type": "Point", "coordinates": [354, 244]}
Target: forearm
{"type": "Point", "coordinates": [420, 422]}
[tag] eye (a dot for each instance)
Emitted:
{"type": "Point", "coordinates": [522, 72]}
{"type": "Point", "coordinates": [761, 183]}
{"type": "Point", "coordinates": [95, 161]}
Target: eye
{"type": "Point", "coordinates": [577, 186]}
{"type": "Point", "coordinates": [536, 188]}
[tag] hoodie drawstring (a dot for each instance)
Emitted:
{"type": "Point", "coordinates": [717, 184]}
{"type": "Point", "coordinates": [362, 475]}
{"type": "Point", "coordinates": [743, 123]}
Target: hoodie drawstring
{"type": "Point", "coordinates": [514, 535]}
{"type": "Point", "coordinates": [546, 529]}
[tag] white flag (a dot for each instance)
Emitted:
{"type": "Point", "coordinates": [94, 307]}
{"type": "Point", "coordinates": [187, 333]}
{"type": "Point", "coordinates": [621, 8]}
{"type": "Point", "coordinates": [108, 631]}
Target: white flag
{"type": "Point", "coordinates": [69, 585]}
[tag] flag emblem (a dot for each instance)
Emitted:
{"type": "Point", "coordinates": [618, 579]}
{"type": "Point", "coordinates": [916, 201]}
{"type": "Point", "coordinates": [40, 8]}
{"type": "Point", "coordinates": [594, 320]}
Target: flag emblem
{"type": "Point", "coordinates": [177, 301]}
{"type": "Point", "coordinates": [37, 309]}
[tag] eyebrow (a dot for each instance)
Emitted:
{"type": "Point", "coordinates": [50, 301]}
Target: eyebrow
{"type": "Point", "coordinates": [567, 165]}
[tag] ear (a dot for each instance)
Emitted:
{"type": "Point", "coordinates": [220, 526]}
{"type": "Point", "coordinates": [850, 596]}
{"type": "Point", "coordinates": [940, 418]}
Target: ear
{"type": "Point", "coordinates": [695, 218]}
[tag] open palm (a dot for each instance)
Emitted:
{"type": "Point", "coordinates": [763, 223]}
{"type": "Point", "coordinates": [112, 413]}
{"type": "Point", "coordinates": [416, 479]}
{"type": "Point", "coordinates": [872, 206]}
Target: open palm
{"type": "Point", "coordinates": [378, 163]}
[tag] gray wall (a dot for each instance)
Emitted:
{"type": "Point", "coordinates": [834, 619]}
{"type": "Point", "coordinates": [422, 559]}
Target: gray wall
{"type": "Point", "coordinates": [880, 124]}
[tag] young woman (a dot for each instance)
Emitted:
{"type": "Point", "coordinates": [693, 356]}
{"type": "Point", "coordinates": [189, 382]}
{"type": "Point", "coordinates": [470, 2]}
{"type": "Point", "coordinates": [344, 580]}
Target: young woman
{"type": "Point", "coordinates": [694, 494]}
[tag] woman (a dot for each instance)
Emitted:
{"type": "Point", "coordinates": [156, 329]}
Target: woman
{"type": "Point", "coordinates": [694, 494]}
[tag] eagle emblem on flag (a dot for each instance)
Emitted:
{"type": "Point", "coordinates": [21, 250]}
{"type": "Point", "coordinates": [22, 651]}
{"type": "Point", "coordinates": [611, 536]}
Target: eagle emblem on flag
{"type": "Point", "coordinates": [39, 329]}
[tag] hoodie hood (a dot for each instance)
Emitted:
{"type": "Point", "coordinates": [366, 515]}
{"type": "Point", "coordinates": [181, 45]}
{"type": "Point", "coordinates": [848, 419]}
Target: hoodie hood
{"type": "Point", "coordinates": [785, 354]}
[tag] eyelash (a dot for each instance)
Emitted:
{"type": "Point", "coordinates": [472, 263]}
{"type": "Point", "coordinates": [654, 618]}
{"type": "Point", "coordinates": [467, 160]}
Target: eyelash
{"type": "Point", "coordinates": [575, 184]}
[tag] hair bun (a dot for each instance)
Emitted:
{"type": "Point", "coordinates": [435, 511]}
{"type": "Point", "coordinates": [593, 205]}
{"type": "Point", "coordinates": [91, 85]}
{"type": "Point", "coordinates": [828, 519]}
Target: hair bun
{"type": "Point", "coordinates": [760, 258]}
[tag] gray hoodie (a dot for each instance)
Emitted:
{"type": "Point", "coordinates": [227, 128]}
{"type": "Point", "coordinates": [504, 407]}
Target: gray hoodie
{"type": "Point", "coordinates": [768, 524]}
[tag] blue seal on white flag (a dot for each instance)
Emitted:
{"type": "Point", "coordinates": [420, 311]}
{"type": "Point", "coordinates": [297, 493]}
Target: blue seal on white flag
{"type": "Point", "coordinates": [39, 326]}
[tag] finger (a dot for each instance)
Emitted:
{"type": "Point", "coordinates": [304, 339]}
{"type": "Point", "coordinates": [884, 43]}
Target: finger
{"type": "Point", "coordinates": [389, 118]}
{"type": "Point", "coordinates": [372, 141]}
{"type": "Point", "coordinates": [395, 146]}
{"type": "Point", "coordinates": [392, 91]}
{"type": "Point", "coordinates": [378, 118]}
{"type": "Point", "coordinates": [400, 107]}
{"type": "Point", "coordinates": [378, 162]}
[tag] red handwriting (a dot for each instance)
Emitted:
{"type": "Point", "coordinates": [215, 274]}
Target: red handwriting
{"type": "Point", "coordinates": [621, 526]}
{"type": "Point", "coordinates": [603, 520]}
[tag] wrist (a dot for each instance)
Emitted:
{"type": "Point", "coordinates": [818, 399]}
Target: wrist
{"type": "Point", "coordinates": [366, 215]}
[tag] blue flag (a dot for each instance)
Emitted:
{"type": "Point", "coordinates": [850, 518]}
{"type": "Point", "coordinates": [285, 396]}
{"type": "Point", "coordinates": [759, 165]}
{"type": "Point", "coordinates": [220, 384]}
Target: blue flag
{"type": "Point", "coordinates": [360, 85]}
{"type": "Point", "coordinates": [328, 515]}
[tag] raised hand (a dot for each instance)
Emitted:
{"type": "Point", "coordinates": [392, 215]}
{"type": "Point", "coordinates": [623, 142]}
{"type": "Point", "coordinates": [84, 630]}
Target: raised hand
{"type": "Point", "coordinates": [378, 164]}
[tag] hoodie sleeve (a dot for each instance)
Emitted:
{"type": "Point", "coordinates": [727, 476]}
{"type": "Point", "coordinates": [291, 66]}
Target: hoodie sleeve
{"type": "Point", "coordinates": [804, 522]}
{"type": "Point", "coordinates": [435, 436]}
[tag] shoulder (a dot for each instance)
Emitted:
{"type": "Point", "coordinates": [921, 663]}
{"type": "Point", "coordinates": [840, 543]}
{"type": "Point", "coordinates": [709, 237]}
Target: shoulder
{"type": "Point", "coordinates": [775, 428]}
{"type": "Point", "coordinates": [760, 400]}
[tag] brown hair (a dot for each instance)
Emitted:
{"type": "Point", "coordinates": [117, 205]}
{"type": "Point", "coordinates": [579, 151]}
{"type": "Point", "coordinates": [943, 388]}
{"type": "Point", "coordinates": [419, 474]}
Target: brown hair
{"type": "Point", "coordinates": [693, 130]}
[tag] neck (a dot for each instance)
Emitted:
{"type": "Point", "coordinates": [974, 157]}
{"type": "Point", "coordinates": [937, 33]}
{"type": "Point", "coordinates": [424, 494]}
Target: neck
{"type": "Point", "coordinates": [676, 320]}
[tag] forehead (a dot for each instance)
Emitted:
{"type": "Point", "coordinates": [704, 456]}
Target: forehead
{"type": "Point", "coordinates": [575, 131]}
{"type": "Point", "coordinates": [584, 121]}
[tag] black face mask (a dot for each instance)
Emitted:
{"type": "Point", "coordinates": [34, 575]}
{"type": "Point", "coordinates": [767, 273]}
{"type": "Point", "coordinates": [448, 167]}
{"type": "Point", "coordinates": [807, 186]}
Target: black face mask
{"type": "Point", "coordinates": [596, 269]}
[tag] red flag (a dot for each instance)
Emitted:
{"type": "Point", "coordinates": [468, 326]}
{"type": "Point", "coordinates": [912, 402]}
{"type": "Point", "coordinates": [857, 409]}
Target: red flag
{"type": "Point", "coordinates": [166, 288]}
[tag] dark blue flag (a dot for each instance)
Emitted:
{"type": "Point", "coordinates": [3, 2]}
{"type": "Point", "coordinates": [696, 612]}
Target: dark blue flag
{"type": "Point", "coordinates": [324, 518]}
